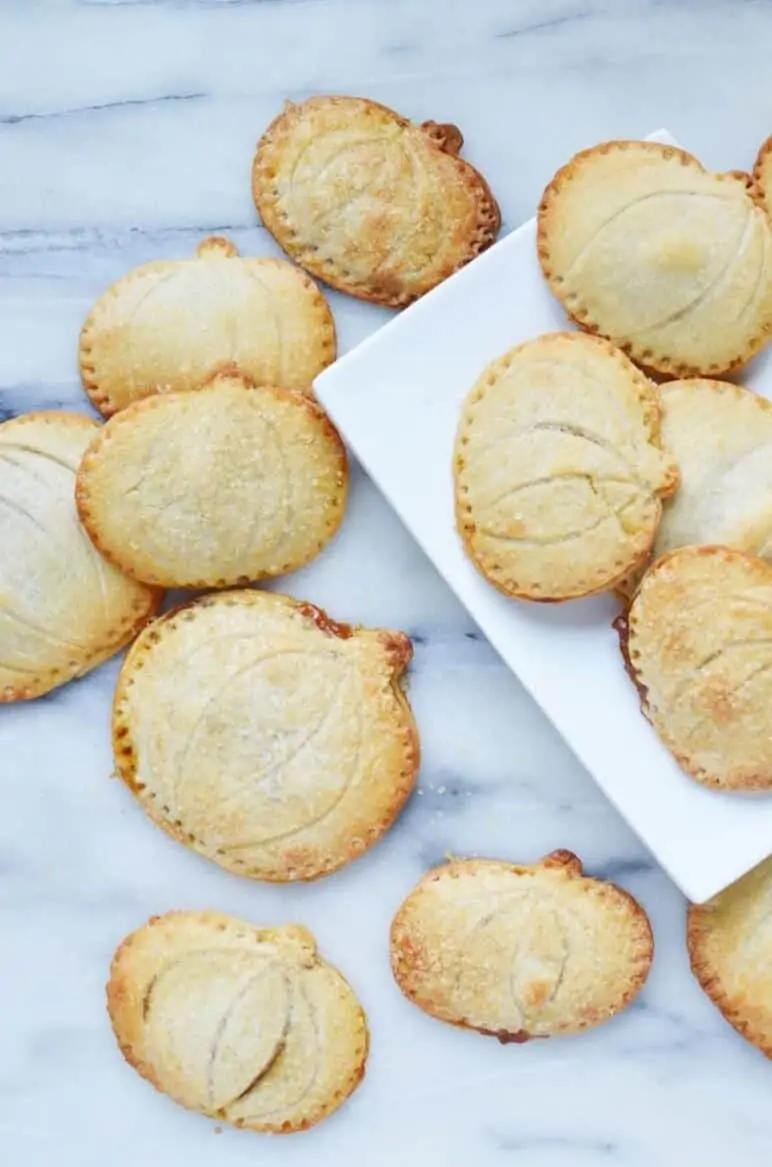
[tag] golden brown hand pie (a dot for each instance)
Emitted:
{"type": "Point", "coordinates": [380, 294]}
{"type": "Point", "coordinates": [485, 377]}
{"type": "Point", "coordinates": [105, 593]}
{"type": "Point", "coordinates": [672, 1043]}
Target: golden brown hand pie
{"type": "Point", "coordinates": [520, 951]}
{"type": "Point", "coordinates": [720, 437]}
{"type": "Point", "coordinates": [730, 949]}
{"type": "Point", "coordinates": [264, 735]}
{"type": "Point", "coordinates": [170, 325]}
{"type": "Point", "coordinates": [229, 484]}
{"type": "Point", "coordinates": [368, 202]}
{"type": "Point", "coordinates": [699, 643]}
{"type": "Point", "coordinates": [558, 471]}
{"type": "Point", "coordinates": [247, 1025]}
{"type": "Point", "coordinates": [672, 263]}
{"type": "Point", "coordinates": [63, 609]}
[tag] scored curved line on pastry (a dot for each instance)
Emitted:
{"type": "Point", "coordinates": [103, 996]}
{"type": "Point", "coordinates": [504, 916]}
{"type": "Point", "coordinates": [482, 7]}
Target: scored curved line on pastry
{"type": "Point", "coordinates": [307, 1086]}
{"type": "Point", "coordinates": [715, 284]}
{"type": "Point", "coordinates": [656, 194]}
{"type": "Point", "coordinates": [694, 673]}
{"type": "Point", "coordinates": [270, 1062]}
{"type": "Point", "coordinates": [554, 540]}
{"type": "Point", "coordinates": [14, 617]}
{"type": "Point", "coordinates": [22, 447]}
{"type": "Point", "coordinates": [130, 320]}
{"type": "Point", "coordinates": [699, 722]}
{"type": "Point", "coordinates": [344, 789]}
{"type": "Point", "coordinates": [213, 698]}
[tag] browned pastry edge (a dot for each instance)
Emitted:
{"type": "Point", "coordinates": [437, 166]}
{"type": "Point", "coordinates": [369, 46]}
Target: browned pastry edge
{"type": "Point", "coordinates": [399, 649]}
{"type": "Point", "coordinates": [732, 1010]}
{"type": "Point", "coordinates": [100, 398]}
{"type": "Point", "coordinates": [146, 404]}
{"type": "Point", "coordinates": [402, 956]}
{"type": "Point", "coordinates": [117, 991]}
{"type": "Point", "coordinates": [445, 138]}
{"type": "Point", "coordinates": [646, 358]}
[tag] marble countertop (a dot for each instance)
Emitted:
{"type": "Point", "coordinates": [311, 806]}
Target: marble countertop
{"type": "Point", "coordinates": [126, 133]}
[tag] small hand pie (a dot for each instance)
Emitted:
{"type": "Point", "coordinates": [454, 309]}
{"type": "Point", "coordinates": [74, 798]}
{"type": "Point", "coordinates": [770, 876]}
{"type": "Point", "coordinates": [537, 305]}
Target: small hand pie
{"type": "Point", "coordinates": [520, 952]}
{"type": "Point", "coordinates": [559, 475]}
{"type": "Point", "coordinates": [672, 263]}
{"type": "Point", "coordinates": [265, 736]}
{"type": "Point", "coordinates": [229, 484]}
{"type": "Point", "coordinates": [730, 948]}
{"type": "Point", "coordinates": [368, 202]}
{"type": "Point", "coordinates": [246, 1025]}
{"type": "Point", "coordinates": [63, 609]}
{"type": "Point", "coordinates": [170, 325]}
{"type": "Point", "coordinates": [698, 639]}
{"type": "Point", "coordinates": [720, 437]}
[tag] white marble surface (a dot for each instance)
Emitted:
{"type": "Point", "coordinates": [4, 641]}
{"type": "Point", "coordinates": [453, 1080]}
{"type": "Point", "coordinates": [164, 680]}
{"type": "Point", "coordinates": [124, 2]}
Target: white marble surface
{"type": "Point", "coordinates": [126, 132]}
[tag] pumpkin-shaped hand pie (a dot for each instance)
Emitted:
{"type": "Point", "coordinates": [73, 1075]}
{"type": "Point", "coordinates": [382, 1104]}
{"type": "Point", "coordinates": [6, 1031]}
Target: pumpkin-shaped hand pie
{"type": "Point", "coordinates": [232, 483]}
{"type": "Point", "coordinates": [559, 473]}
{"type": "Point", "coordinates": [246, 1025]}
{"type": "Point", "coordinates": [720, 437]}
{"type": "Point", "coordinates": [672, 263]}
{"type": "Point", "coordinates": [520, 951]}
{"type": "Point", "coordinates": [170, 325]}
{"type": "Point", "coordinates": [63, 608]}
{"type": "Point", "coordinates": [370, 203]}
{"type": "Point", "coordinates": [698, 639]}
{"type": "Point", "coordinates": [730, 949]}
{"type": "Point", "coordinates": [262, 734]}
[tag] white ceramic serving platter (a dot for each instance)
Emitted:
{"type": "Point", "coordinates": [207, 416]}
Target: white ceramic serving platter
{"type": "Point", "coordinates": [396, 400]}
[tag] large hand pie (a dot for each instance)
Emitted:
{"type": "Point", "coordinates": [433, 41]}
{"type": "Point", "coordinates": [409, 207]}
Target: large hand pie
{"type": "Point", "coordinates": [229, 484]}
{"type": "Point", "coordinates": [63, 608]}
{"type": "Point", "coordinates": [730, 949]}
{"type": "Point", "coordinates": [559, 474]}
{"type": "Point", "coordinates": [672, 263]}
{"type": "Point", "coordinates": [172, 324]}
{"type": "Point", "coordinates": [698, 638]}
{"type": "Point", "coordinates": [517, 951]}
{"type": "Point", "coordinates": [368, 202]}
{"type": "Point", "coordinates": [247, 1025]}
{"type": "Point", "coordinates": [262, 734]}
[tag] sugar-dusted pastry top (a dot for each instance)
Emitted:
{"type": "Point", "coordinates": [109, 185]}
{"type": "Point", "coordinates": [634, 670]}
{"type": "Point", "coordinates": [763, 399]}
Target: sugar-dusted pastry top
{"type": "Point", "coordinates": [247, 1025]}
{"type": "Point", "coordinates": [369, 202]}
{"type": "Point", "coordinates": [257, 731]}
{"type": "Point", "coordinates": [171, 325]}
{"type": "Point", "coordinates": [518, 951]}
{"type": "Point", "coordinates": [63, 608]}
{"type": "Point", "coordinates": [559, 474]}
{"type": "Point", "coordinates": [672, 263]}
{"type": "Point", "coordinates": [229, 484]}
{"type": "Point", "coordinates": [730, 949]}
{"type": "Point", "coordinates": [699, 644]}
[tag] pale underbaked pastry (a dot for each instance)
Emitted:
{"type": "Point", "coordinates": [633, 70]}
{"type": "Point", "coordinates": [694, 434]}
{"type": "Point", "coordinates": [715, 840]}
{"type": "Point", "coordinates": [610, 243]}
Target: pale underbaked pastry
{"type": "Point", "coordinates": [762, 174]}
{"type": "Point", "coordinates": [171, 324]}
{"type": "Point", "coordinates": [698, 639]}
{"type": "Point", "coordinates": [229, 484]}
{"type": "Point", "coordinates": [520, 951]}
{"type": "Point", "coordinates": [730, 942]}
{"type": "Point", "coordinates": [672, 263]}
{"type": "Point", "coordinates": [720, 437]}
{"type": "Point", "coordinates": [369, 202]}
{"type": "Point", "coordinates": [247, 1025]}
{"type": "Point", "coordinates": [265, 736]}
{"type": "Point", "coordinates": [559, 475]}
{"type": "Point", "coordinates": [63, 609]}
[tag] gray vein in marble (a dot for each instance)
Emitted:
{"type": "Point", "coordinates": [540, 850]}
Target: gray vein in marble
{"type": "Point", "coordinates": [14, 119]}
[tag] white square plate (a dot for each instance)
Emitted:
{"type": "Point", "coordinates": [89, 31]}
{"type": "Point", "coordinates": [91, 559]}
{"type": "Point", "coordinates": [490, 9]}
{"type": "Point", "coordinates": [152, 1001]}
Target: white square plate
{"type": "Point", "coordinates": [396, 400]}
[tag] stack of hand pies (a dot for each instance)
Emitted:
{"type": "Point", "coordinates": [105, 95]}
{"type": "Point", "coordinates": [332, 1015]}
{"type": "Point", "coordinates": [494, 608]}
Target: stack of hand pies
{"type": "Point", "coordinates": [278, 743]}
